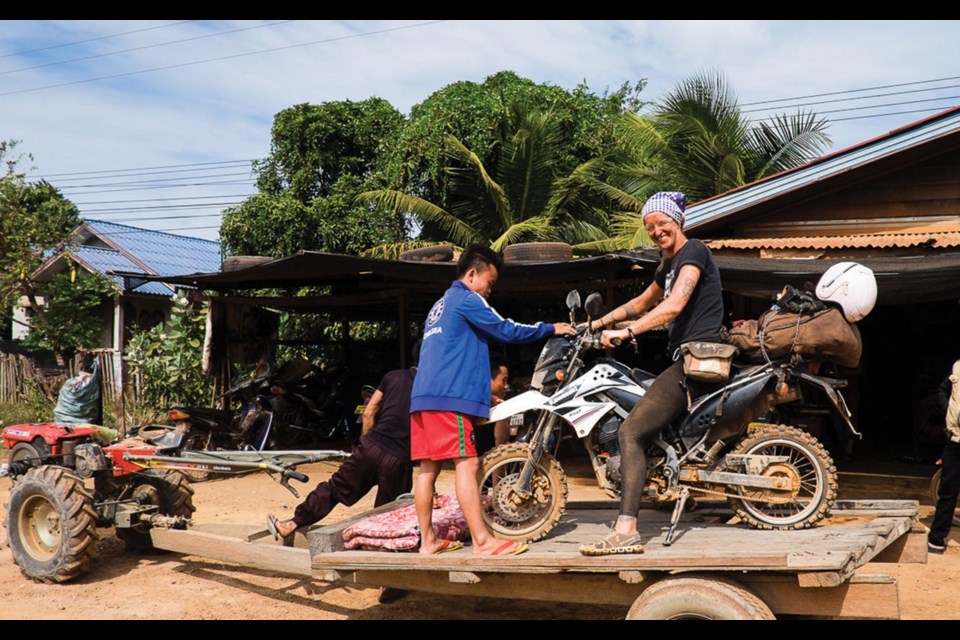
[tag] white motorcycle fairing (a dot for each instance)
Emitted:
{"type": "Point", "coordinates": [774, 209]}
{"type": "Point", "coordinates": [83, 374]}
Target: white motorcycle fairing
{"type": "Point", "coordinates": [526, 401]}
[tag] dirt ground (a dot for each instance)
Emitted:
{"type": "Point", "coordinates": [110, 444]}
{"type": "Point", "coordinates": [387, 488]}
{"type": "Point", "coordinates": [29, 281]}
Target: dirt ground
{"type": "Point", "coordinates": [159, 587]}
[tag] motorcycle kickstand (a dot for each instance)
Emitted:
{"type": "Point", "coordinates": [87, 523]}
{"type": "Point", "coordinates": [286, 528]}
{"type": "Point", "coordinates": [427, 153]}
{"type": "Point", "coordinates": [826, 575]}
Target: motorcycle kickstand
{"type": "Point", "coordinates": [677, 512]}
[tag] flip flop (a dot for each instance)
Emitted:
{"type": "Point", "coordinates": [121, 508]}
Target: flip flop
{"type": "Point", "coordinates": [506, 550]}
{"type": "Point", "coordinates": [613, 543]}
{"type": "Point", "coordinates": [272, 526]}
{"type": "Point", "coordinates": [448, 545]}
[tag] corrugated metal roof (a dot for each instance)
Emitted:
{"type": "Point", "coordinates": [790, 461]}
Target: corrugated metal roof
{"type": "Point", "coordinates": [896, 141]}
{"type": "Point", "coordinates": [865, 241]}
{"type": "Point", "coordinates": [163, 253]}
{"type": "Point", "coordinates": [106, 260]}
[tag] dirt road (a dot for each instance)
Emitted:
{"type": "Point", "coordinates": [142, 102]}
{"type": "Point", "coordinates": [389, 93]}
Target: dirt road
{"type": "Point", "coordinates": [168, 586]}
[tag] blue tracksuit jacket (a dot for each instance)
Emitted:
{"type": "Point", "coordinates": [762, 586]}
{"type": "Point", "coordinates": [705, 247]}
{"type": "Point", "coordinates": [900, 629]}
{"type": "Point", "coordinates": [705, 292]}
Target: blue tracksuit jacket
{"type": "Point", "coordinates": [454, 369]}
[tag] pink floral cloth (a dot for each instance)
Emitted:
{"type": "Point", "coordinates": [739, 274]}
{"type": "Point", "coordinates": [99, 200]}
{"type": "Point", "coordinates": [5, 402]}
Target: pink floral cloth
{"type": "Point", "coordinates": [398, 530]}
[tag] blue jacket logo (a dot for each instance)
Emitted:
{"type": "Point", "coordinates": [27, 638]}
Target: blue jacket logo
{"type": "Point", "coordinates": [435, 312]}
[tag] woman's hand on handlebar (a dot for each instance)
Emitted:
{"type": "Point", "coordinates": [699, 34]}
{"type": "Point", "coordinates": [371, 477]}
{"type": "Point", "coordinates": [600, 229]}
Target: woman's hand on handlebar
{"type": "Point", "coordinates": [613, 338]}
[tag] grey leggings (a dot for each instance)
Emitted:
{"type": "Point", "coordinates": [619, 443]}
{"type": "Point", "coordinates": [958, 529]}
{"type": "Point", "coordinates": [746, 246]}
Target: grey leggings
{"type": "Point", "coordinates": [664, 401]}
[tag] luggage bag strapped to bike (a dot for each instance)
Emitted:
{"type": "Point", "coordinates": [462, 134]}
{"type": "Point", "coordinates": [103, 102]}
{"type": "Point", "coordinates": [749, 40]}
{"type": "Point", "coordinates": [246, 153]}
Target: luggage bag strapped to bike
{"type": "Point", "coordinates": [707, 361]}
{"type": "Point", "coordinates": [824, 334]}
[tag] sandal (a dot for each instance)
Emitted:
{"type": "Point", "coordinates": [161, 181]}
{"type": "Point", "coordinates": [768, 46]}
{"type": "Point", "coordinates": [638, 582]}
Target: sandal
{"type": "Point", "coordinates": [613, 543]}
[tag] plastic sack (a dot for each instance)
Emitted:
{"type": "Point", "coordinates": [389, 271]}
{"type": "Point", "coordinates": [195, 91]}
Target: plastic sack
{"type": "Point", "coordinates": [79, 399]}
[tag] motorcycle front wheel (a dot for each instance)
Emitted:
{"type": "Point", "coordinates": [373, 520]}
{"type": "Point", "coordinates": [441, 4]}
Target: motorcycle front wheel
{"type": "Point", "coordinates": [810, 470]}
{"type": "Point", "coordinates": [515, 515]}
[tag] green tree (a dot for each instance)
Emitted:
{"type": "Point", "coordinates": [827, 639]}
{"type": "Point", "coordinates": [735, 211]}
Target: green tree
{"type": "Point", "coordinates": [475, 114]}
{"type": "Point", "coordinates": [697, 140]}
{"type": "Point", "coordinates": [69, 320]}
{"type": "Point", "coordinates": [526, 195]}
{"type": "Point", "coordinates": [34, 218]}
{"type": "Point", "coordinates": [167, 360]}
{"type": "Point", "coordinates": [321, 157]}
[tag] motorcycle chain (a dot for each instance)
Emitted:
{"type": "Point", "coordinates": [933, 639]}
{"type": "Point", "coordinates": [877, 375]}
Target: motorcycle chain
{"type": "Point", "coordinates": [723, 494]}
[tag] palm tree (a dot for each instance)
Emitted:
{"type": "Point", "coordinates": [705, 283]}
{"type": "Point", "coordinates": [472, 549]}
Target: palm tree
{"type": "Point", "coordinates": [526, 193]}
{"type": "Point", "coordinates": [698, 140]}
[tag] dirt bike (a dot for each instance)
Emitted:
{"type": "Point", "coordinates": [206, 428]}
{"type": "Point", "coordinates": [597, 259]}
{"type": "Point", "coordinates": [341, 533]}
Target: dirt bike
{"type": "Point", "coordinates": [774, 476]}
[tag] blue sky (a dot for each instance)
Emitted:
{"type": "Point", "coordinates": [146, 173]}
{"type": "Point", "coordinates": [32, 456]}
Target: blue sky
{"type": "Point", "coordinates": [102, 104]}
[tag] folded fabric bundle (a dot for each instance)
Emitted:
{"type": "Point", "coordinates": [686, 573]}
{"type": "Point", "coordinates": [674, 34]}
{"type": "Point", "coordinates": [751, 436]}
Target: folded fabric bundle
{"type": "Point", "coordinates": [398, 530]}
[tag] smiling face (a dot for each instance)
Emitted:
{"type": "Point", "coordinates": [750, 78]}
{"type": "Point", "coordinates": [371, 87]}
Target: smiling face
{"type": "Point", "coordinates": [481, 281]}
{"type": "Point", "coordinates": [664, 231]}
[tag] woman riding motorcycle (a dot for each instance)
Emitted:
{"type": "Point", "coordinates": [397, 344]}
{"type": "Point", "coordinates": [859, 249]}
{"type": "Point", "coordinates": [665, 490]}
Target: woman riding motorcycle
{"type": "Point", "coordinates": [686, 297]}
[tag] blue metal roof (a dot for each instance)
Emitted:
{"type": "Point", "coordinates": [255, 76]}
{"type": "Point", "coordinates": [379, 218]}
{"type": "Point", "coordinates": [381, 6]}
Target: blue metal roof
{"type": "Point", "coordinates": [163, 253]}
{"type": "Point", "coordinates": [104, 260]}
{"type": "Point", "coordinates": [896, 141]}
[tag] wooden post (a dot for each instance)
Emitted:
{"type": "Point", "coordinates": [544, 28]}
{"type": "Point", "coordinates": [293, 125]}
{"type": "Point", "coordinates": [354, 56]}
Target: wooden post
{"type": "Point", "coordinates": [118, 369]}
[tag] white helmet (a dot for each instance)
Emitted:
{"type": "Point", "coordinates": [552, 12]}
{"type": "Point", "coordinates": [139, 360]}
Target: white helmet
{"type": "Point", "coordinates": [850, 285]}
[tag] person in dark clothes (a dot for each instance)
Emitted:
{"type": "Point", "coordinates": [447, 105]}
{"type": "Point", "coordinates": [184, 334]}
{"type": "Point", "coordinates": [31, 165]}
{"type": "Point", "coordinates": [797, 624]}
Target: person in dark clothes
{"type": "Point", "coordinates": [950, 471]}
{"type": "Point", "coordinates": [382, 458]}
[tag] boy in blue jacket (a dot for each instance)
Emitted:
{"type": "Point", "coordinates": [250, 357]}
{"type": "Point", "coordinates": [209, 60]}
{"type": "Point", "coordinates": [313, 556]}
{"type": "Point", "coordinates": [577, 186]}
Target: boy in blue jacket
{"type": "Point", "coordinates": [452, 391]}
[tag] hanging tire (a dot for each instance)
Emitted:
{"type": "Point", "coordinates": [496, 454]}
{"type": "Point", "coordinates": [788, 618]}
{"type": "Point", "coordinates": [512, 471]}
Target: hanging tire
{"type": "Point", "coordinates": [515, 517]}
{"type": "Point", "coordinates": [170, 491]}
{"type": "Point", "coordinates": [52, 525]}
{"type": "Point", "coordinates": [433, 253]}
{"type": "Point", "coordinates": [538, 252]}
{"type": "Point", "coordinates": [810, 469]}
{"type": "Point", "coordinates": [694, 597]}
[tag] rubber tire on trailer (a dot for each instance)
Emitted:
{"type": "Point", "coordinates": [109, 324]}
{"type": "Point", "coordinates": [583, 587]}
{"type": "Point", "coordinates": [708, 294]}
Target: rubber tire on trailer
{"type": "Point", "coordinates": [36, 448]}
{"type": "Point", "coordinates": [238, 263]}
{"type": "Point", "coordinates": [700, 597]}
{"type": "Point", "coordinates": [52, 525]}
{"type": "Point", "coordinates": [538, 252]}
{"type": "Point", "coordinates": [434, 253]}
{"type": "Point", "coordinates": [171, 491]}
{"type": "Point", "coordinates": [799, 440]}
{"type": "Point", "coordinates": [548, 469]}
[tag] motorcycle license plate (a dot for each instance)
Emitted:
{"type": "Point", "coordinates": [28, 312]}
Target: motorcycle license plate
{"type": "Point", "coordinates": [517, 420]}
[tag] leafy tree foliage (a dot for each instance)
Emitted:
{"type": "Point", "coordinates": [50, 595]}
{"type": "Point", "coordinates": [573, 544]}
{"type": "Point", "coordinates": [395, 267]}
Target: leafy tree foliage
{"type": "Point", "coordinates": [321, 157]}
{"type": "Point", "coordinates": [167, 360]}
{"type": "Point", "coordinates": [34, 217]}
{"type": "Point", "coordinates": [70, 318]}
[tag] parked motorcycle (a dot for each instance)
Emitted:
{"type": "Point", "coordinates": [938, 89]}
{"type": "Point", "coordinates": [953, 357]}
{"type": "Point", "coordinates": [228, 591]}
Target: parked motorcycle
{"type": "Point", "coordinates": [734, 443]}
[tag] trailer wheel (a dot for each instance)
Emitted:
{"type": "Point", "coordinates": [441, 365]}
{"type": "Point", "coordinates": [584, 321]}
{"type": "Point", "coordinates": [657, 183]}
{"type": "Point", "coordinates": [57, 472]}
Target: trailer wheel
{"type": "Point", "coordinates": [695, 597]}
{"type": "Point", "coordinates": [52, 525]}
{"type": "Point", "coordinates": [935, 494]}
{"type": "Point", "coordinates": [169, 490]}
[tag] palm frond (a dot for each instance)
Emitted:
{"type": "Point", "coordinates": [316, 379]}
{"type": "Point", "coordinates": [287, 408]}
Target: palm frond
{"type": "Point", "coordinates": [456, 229]}
{"type": "Point", "coordinates": [493, 190]}
{"type": "Point", "coordinates": [536, 227]}
{"type": "Point", "coordinates": [788, 142]}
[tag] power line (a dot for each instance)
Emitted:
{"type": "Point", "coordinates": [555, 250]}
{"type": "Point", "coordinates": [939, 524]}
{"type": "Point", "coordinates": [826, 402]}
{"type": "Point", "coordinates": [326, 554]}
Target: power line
{"type": "Point", "coordinates": [145, 219]}
{"type": "Point", "coordinates": [147, 182]}
{"type": "Point", "coordinates": [166, 166]}
{"type": "Point", "coordinates": [232, 195]}
{"type": "Point", "coordinates": [172, 186]}
{"type": "Point", "coordinates": [876, 95]}
{"type": "Point", "coordinates": [120, 174]}
{"type": "Point", "coordinates": [230, 57]}
{"type": "Point", "coordinates": [835, 93]}
{"type": "Point", "coordinates": [115, 35]}
{"type": "Point", "coordinates": [148, 46]}
{"type": "Point", "coordinates": [162, 207]}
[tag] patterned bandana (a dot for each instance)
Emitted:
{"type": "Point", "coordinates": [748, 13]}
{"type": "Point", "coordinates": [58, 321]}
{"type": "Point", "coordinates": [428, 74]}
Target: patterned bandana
{"type": "Point", "coordinates": [671, 203]}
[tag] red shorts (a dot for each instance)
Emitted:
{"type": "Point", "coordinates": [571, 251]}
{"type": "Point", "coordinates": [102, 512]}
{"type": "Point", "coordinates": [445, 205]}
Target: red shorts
{"type": "Point", "coordinates": [441, 435]}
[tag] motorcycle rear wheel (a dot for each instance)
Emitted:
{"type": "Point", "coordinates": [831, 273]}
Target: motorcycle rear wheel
{"type": "Point", "coordinates": [515, 517]}
{"type": "Point", "coordinates": [935, 494]}
{"type": "Point", "coordinates": [809, 465]}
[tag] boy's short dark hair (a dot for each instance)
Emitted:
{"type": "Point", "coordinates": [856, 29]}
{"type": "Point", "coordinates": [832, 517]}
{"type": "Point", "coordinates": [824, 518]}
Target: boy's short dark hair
{"type": "Point", "coordinates": [495, 363]}
{"type": "Point", "coordinates": [415, 351]}
{"type": "Point", "coordinates": [478, 257]}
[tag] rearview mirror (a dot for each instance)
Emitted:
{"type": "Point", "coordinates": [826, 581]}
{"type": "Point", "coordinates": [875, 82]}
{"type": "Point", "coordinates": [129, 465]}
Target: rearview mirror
{"type": "Point", "coordinates": [594, 305]}
{"type": "Point", "coordinates": [573, 300]}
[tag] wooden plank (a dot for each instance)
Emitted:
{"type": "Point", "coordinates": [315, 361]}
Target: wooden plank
{"type": "Point", "coordinates": [909, 548]}
{"type": "Point", "coordinates": [877, 508]}
{"type": "Point", "coordinates": [268, 557]}
{"type": "Point", "coordinates": [603, 589]}
{"type": "Point", "coordinates": [329, 538]}
{"type": "Point", "coordinates": [808, 579]}
{"type": "Point", "coordinates": [872, 596]}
